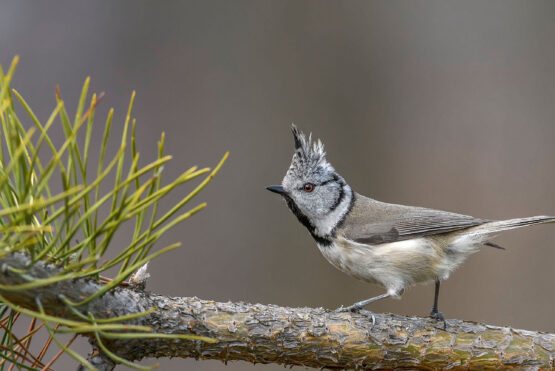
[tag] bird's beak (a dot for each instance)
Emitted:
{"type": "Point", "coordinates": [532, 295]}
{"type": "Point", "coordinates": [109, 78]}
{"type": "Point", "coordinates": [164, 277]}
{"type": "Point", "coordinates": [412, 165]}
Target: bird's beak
{"type": "Point", "coordinates": [276, 189]}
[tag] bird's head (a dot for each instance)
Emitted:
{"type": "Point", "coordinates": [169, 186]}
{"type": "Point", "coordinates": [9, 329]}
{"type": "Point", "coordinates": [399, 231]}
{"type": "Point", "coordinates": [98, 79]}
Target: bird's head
{"type": "Point", "coordinates": [311, 187]}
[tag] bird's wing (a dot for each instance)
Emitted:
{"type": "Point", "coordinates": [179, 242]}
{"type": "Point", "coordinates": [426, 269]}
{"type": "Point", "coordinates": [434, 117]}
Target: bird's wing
{"type": "Point", "coordinates": [372, 222]}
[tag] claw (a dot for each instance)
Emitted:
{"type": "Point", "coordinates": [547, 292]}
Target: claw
{"type": "Point", "coordinates": [439, 316]}
{"type": "Point", "coordinates": [357, 309]}
{"type": "Point", "coordinates": [350, 308]}
{"type": "Point", "coordinates": [367, 313]}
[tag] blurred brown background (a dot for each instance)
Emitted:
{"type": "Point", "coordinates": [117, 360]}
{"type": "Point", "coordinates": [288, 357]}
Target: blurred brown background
{"type": "Point", "coordinates": [448, 105]}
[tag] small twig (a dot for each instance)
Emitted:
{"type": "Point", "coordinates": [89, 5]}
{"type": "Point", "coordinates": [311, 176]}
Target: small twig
{"type": "Point", "coordinates": [15, 350]}
{"type": "Point", "coordinates": [35, 330]}
{"type": "Point", "coordinates": [7, 318]}
{"type": "Point", "coordinates": [46, 345]}
{"type": "Point", "coordinates": [106, 280]}
{"type": "Point", "coordinates": [27, 342]}
{"type": "Point", "coordinates": [60, 352]}
{"type": "Point", "coordinates": [17, 354]}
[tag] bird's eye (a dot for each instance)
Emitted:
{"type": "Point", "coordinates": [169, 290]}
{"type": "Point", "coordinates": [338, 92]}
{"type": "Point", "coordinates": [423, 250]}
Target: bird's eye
{"type": "Point", "coordinates": [308, 187]}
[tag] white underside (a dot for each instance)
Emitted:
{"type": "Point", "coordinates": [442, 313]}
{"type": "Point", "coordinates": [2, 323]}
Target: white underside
{"type": "Point", "coordinates": [397, 265]}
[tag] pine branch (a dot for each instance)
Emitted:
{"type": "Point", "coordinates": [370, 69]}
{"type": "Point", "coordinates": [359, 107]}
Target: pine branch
{"type": "Point", "coordinates": [67, 228]}
{"type": "Point", "coordinates": [272, 334]}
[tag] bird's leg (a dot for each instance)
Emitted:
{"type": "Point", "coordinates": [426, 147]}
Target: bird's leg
{"type": "Point", "coordinates": [435, 313]}
{"type": "Point", "coordinates": [359, 305]}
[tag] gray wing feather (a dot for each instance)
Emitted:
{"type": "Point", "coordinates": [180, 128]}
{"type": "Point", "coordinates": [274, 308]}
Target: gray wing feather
{"type": "Point", "coordinates": [374, 222]}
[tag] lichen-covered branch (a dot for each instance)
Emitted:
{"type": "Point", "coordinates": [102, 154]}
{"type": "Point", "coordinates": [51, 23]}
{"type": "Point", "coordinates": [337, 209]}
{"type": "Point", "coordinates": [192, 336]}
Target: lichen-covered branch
{"type": "Point", "coordinates": [292, 336]}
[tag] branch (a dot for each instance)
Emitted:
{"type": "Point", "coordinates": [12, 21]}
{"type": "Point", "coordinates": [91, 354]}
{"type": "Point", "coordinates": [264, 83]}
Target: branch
{"type": "Point", "coordinates": [291, 336]}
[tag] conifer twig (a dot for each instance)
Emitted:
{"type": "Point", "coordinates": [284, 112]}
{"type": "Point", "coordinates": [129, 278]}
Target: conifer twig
{"type": "Point", "coordinates": [312, 337]}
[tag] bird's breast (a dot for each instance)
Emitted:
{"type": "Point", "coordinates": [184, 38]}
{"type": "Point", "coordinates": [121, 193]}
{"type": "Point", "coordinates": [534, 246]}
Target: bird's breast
{"type": "Point", "coordinates": [351, 260]}
{"type": "Point", "coordinates": [395, 264]}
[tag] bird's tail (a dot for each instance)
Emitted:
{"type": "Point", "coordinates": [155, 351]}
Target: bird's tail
{"type": "Point", "coordinates": [503, 225]}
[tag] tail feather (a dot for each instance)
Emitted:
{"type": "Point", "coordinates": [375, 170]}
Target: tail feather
{"type": "Point", "coordinates": [489, 243]}
{"type": "Point", "coordinates": [503, 225]}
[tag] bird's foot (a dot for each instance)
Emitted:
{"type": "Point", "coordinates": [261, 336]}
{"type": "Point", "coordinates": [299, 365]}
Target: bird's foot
{"type": "Point", "coordinates": [357, 308]}
{"type": "Point", "coordinates": [351, 308]}
{"type": "Point", "coordinates": [438, 316]}
{"type": "Point", "coordinates": [368, 314]}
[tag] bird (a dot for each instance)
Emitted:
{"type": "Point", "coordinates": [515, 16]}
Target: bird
{"type": "Point", "coordinates": [395, 246]}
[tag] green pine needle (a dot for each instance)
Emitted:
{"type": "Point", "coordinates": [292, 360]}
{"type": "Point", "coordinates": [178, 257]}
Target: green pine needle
{"type": "Point", "coordinates": [67, 227]}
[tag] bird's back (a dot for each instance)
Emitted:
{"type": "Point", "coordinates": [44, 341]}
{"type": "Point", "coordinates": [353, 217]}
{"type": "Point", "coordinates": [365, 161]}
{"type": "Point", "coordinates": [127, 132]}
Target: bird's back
{"type": "Point", "coordinates": [374, 222]}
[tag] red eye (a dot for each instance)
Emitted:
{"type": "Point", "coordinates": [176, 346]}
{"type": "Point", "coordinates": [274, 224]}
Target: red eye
{"type": "Point", "coordinates": [308, 187]}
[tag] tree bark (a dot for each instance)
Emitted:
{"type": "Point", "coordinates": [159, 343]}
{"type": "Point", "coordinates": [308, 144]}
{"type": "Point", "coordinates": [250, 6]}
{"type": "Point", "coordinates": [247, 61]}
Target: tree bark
{"type": "Point", "coordinates": [312, 337]}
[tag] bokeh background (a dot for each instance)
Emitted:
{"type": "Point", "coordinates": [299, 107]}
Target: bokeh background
{"type": "Point", "coordinates": [448, 105]}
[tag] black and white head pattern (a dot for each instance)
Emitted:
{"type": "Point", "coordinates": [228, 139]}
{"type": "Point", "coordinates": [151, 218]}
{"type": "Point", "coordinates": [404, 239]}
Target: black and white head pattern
{"type": "Point", "coordinates": [316, 194]}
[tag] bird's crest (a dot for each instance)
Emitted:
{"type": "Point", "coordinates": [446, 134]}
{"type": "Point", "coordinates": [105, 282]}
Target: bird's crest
{"type": "Point", "coordinates": [308, 155]}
